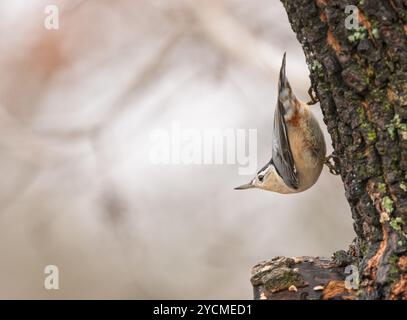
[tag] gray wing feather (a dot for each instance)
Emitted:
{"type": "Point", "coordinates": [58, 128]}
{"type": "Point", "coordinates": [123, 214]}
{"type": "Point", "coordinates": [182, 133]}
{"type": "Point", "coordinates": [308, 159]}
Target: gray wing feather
{"type": "Point", "coordinates": [282, 156]}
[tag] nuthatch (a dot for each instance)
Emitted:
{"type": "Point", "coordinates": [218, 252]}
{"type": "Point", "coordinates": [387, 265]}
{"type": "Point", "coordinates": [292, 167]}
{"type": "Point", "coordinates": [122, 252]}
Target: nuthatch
{"type": "Point", "coordinates": [298, 152]}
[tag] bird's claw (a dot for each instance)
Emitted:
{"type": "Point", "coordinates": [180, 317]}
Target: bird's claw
{"type": "Point", "coordinates": [313, 96]}
{"type": "Point", "coordinates": [332, 165]}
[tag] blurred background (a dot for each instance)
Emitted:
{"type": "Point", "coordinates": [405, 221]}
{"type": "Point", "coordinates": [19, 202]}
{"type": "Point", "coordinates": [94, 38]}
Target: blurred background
{"type": "Point", "coordinates": [78, 190]}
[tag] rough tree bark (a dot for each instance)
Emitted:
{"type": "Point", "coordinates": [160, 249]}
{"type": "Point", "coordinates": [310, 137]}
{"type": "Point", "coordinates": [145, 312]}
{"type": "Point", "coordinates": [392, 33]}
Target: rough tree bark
{"type": "Point", "coordinates": [360, 78]}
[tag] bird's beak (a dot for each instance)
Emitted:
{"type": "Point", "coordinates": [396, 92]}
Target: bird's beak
{"type": "Point", "coordinates": [245, 186]}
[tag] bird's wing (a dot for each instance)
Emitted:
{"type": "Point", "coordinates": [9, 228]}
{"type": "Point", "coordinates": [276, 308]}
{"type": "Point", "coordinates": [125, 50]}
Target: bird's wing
{"type": "Point", "coordinates": [282, 156]}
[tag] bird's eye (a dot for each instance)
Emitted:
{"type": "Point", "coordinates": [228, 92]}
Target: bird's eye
{"type": "Point", "coordinates": [260, 177]}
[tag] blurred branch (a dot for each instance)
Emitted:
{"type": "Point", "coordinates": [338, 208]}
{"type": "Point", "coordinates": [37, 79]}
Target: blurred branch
{"type": "Point", "coordinates": [75, 5]}
{"type": "Point", "coordinates": [227, 33]}
{"type": "Point", "coordinates": [137, 86]}
{"type": "Point", "coordinates": [24, 144]}
{"type": "Point", "coordinates": [23, 184]}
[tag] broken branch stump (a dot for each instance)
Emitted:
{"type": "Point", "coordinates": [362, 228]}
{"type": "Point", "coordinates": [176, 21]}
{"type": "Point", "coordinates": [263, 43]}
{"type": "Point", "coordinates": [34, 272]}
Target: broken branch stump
{"type": "Point", "coordinates": [301, 278]}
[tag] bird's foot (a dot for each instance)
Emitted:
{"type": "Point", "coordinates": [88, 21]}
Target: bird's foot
{"type": "Point", "coordinates": [331, 164]}
{"type": "Point", "coordinates": [313, 96]}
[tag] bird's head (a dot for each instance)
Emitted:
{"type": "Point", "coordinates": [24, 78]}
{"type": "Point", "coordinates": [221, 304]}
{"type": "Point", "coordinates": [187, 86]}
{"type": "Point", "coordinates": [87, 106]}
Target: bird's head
{"type": "Point", "coordinates": [261, 180]}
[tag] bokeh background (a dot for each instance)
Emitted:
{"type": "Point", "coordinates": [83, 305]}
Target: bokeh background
{"type": "Point", "coordinates": [77, 188]}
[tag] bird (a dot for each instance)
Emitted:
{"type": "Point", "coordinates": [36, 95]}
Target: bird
{"type": "Point", "coordinates": [298, 149]}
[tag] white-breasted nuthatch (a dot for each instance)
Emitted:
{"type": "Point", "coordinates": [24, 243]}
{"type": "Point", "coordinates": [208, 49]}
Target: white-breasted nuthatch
{"type": "Point", "coordinates": [298, 152]}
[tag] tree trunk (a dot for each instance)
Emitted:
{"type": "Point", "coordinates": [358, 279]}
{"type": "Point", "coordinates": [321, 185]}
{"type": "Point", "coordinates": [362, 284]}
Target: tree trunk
{"type": "Point", "coordinates": [360, 78]}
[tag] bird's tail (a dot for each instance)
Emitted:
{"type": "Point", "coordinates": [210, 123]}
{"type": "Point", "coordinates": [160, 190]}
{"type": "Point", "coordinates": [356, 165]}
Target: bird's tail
{"type": "Point", "coordinates": [285, 94]}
